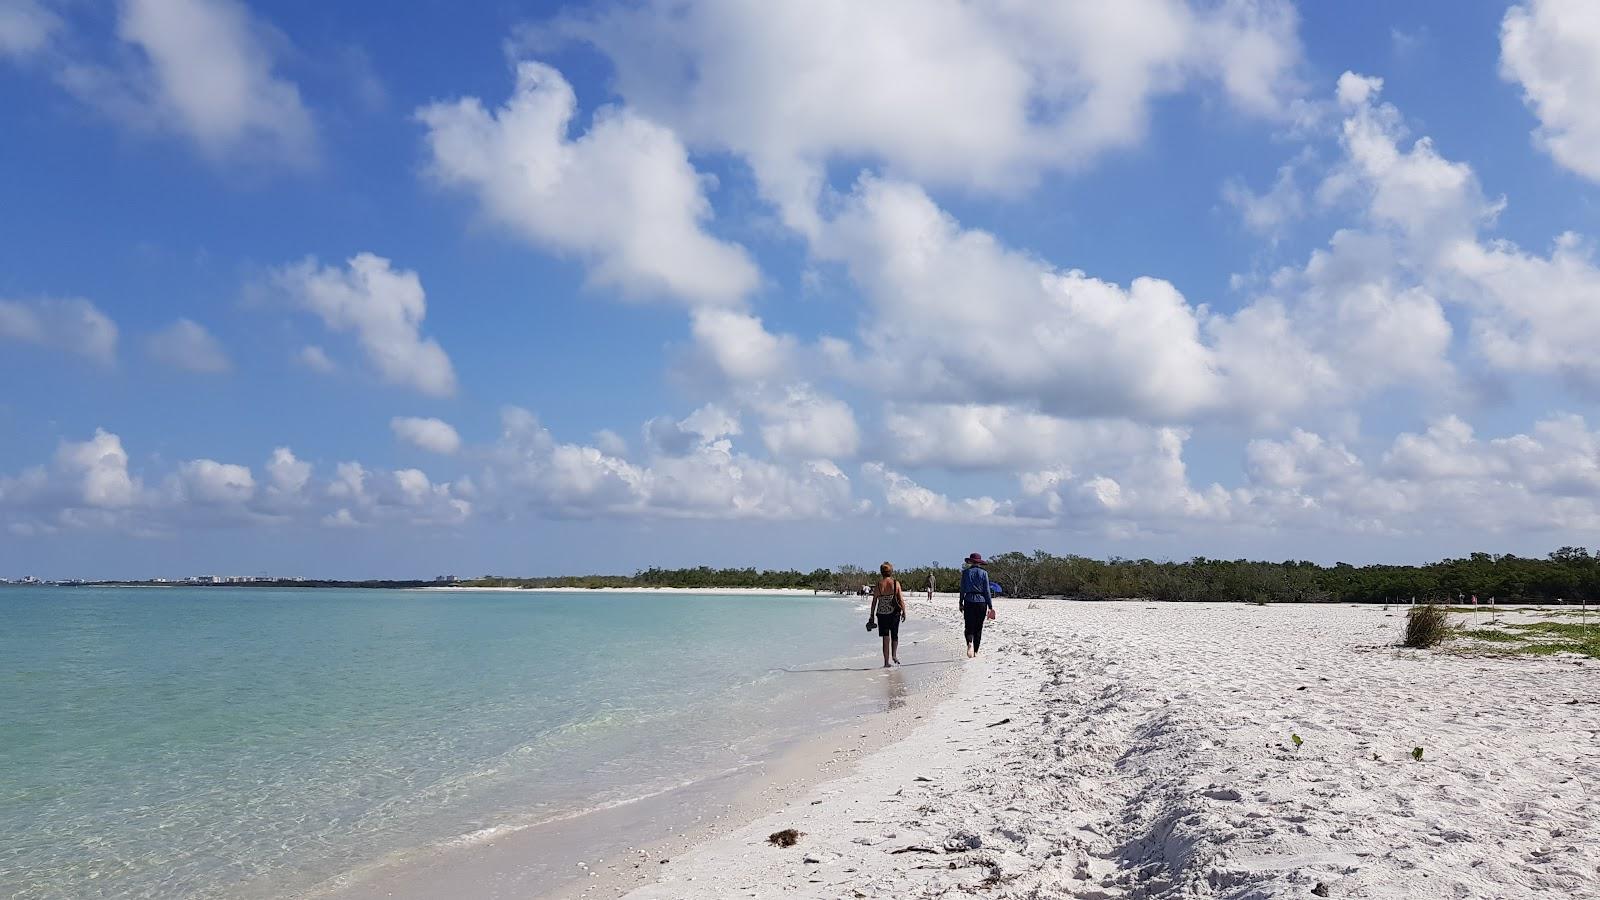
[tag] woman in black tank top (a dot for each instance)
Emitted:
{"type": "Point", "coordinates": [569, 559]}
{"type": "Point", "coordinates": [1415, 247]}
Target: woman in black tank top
{"type": "Point", "coordinates": [889, 605]}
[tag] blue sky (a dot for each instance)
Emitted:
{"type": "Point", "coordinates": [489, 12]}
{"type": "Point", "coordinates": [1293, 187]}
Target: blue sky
{"type": "Point", "coordinates": [332, 289]}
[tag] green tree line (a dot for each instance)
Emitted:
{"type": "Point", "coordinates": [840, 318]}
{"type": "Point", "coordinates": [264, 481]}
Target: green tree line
{"type": "Point", "coordinates": [1569, 574]}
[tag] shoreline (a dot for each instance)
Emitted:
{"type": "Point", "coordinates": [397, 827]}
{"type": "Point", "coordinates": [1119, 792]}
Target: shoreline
{"type": "Point", "coordinates": [727, 592]}
{"type": "Point", "coordinates": [494, 865]}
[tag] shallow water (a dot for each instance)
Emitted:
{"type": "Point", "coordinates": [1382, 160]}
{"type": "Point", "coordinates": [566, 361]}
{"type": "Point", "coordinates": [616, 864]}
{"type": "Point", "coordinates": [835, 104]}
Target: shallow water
{"type": "Point", "coordinates": [258, 742]}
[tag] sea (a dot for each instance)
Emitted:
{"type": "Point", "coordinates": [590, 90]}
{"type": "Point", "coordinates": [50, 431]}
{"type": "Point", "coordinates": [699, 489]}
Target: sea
{"type": "Point", "coordinates": [265, 742]}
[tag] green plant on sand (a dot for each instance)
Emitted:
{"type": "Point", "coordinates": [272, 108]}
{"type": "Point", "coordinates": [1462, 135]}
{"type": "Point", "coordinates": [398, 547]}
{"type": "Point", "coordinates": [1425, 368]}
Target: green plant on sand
{"type": "Point", "coordinates": [1426, 626]}
{"type": "Point", "coordinates": [1296, 739]}
{"type": "Point", "coordinates": [1540, 638]}
{"type": "Point", "coordinates": [1416, 753]}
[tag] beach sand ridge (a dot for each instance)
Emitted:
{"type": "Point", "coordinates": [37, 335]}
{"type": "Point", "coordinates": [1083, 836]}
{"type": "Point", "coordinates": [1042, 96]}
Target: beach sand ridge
{"type": "Point", "coordinates": [1139, 750]}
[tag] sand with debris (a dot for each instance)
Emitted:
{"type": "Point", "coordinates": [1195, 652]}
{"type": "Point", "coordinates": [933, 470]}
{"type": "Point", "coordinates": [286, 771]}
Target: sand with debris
{"type": "Point", "coordinates": [1109, 750]}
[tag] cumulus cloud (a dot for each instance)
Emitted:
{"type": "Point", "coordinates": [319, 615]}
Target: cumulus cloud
{"type": "Point", "coordinates": [287, 477]}
{"type": "Point", "coordinates": [206, 481]}
{"type": "Point", "coordinates": [204, 69]}
{"type": "Point", "coordinates": [1092, 348]}
{"type": "Point", "coordinates": [89, 485]}
{"type": "Point", "coordinates": [315, 359]}
{"type": "Point", "coordinates": [1445, 478]}
{"type": "Point", "coordinates": [189, 346]}
{"type": "Point", "coordinates": [623, 196]}
{"type": "Point", "coordinates": [1004, 438]}
{"type": "Point", "coordinates": [739, 347]}
{"type": "Point", "coordinates": [700, 475]}
{"type": "Point", "coordinates": [384, 308]}
{"type": "Point", "coordinates": [1270, 212]}
{"type": "Point", "coordinates": [96, 471]}
{"type": "Point", "coordinates": [26, 27]}
{"type": "Point", "coordinates": [943, 91]}
{"type": "Point", "coordinates": [76, 326]}
{"type": "Point", "coordinates": [432, 435]}
{"type": "Point", "coordinates": [802, 424]}
{"type": "Point", "coordinates": [1552, 49]}
{"type": "Point", "coordinates": [905, 498]}
{"type": "Point", "coordinates": [1526, 312]}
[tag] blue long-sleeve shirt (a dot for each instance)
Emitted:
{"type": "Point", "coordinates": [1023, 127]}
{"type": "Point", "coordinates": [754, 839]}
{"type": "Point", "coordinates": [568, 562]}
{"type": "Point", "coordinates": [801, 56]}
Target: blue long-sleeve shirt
{"type": "Point", "coordinates": [975, 586]}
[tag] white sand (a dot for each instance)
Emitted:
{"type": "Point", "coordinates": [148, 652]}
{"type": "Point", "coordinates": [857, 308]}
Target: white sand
{"type": "Point", "coordinates": [1148, 755]}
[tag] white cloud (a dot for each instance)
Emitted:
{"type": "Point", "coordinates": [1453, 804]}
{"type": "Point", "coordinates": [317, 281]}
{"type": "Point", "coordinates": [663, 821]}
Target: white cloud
{"type": "Point", "coordinates": [1526, 313]}
{"type": "Point", "coordinates": [208, 482]}
{"type": "Point", "coordinates": [802, 424]}
{"type": "Point", "coordinates": [88, 485]}
{"type": "Point", "coordinates": [945, 91]}
{"type": "Point", "coordinates": [700, 475]}
{"type": "Point", "coordinates": [1000, 437]}
{"type": "Point", "coordinates": [287, 476]}
{"type": "Point", "coordinates": [187, 345]}
{"type": "Point", "coordinates": [384, 307]}
{"type": "Point", "coordinates": [623, 196]}
{"type": "Point", "coordinates": [205, 69]}
{"type": "Point", "coordinates": [665, 436]}
{"type": "Point", "coordinates": [76, 326]}
{"type": "Point", "coordinates": [739, 346]}
{"type": "Point", "coordinates": [315, 359]}
{"type": "Point", "coordinates": [432, 435]}
{"type": "Point", "coordinates": [1552, 49]}
{"type": "Point", "coordinates": [610, 443]}
{"type": "Point", "coordinates": [97, 471]}
{"type": "Point", "coordinates": [905, 498]}
{"type": "Point", "coordinates": [1270, 212]}
{"type": "Point", "coordinates": [1348, 323]}
{"type": "Point", "coordinates": [26, 27]}
{"type": "Point", "coordinates": [941, 298]}
{"type": "Point", "coordinates": [1445, 479]}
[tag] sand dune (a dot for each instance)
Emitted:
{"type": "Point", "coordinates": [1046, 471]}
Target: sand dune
{"type": "Point", "coordinates": [1140, 750]}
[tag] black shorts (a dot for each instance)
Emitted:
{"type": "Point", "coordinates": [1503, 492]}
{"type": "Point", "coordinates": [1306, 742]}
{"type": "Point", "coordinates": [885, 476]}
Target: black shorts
{"type": "Point", "coordinates": [889, 625]}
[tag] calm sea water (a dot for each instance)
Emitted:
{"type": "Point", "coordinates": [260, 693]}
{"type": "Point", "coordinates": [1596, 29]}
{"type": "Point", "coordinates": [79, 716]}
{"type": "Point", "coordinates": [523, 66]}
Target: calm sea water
{"type": "Point", "coordinates": [243, 742]}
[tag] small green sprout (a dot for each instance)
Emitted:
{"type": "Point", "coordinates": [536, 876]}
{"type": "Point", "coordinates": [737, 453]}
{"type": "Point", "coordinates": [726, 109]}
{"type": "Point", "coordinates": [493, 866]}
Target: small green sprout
{"type": "Point", "coordinates": [1416, 753]}
{"type": "Point", "coordinates": [1296, 739]}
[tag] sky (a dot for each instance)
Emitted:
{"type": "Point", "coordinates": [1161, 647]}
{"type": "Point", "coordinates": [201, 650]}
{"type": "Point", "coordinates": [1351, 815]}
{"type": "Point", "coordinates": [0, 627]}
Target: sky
{"type": "Point", "coordinates": [416, 288]}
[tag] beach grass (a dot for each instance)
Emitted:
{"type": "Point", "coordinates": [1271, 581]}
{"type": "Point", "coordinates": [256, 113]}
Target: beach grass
{"type": "Point", "coordinates": [1538, 638]}
{"type": "Point", "coordinates": [1426, 626]}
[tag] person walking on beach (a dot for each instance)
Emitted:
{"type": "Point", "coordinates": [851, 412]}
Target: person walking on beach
{"type": "Point", "coordinates": [931, 585]}
{"type": "Point", "coordinates": [977, 600]}
{"type": "Point", "coordinates": [889, 605]}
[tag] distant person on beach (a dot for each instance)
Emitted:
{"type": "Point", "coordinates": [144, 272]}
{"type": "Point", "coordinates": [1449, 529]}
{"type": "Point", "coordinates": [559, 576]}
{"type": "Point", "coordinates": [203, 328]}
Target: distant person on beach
{"type": "Point", "coordinates": [931, 585]}
{"type": "Point", "coordinates": [977, 600]}
{"type": "Point", "coordinates": [889, 605]}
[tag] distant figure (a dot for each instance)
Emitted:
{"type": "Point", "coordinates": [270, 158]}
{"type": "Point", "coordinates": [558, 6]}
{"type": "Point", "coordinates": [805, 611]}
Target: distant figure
{"type": "Point", "coordinates": [889, 605]}
{"type": "Point", "coordinates": [977, 601]}
{"type": "Point", "coordinates": [930, 587]}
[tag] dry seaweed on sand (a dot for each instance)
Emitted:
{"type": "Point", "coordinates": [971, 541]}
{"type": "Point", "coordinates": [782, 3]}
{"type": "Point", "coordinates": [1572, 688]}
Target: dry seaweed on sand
{"type": "Point", "coordinates": [788, 837]}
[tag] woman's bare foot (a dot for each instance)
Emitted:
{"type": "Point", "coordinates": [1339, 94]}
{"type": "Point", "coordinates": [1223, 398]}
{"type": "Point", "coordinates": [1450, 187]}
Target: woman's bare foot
{"type": "Point", "coordinates": [897, 660]}
{"type": "Point", "coordinates": [886, 664]}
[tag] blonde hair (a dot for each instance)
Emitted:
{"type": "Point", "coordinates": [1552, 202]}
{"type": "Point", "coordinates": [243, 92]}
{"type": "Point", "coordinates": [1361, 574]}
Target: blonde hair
{"type": "Point", "coordinates": [886, 569]}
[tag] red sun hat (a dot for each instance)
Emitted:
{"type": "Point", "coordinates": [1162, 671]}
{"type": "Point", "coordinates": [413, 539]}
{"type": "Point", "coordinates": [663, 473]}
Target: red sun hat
{"type": "Point", "coordinates": [977, 559]}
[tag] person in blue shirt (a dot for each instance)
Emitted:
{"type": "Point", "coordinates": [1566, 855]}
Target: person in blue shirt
{"type": "Point", "coordinates": [977, 600]}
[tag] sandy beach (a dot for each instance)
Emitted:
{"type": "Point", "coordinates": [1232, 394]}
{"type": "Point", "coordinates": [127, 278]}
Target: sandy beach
{"type": "Point", "coordinates": [1140, 750]}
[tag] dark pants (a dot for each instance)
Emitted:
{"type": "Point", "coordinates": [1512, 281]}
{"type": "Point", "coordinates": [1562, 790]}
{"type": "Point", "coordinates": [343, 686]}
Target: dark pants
{"type": "Point", "coordinates": [975, 613]}
{"type": "Point", "coordinates": [889, 625]}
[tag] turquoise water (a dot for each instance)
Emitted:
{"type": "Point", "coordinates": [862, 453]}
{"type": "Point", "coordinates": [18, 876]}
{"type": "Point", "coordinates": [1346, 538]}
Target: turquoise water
{"type": "Point", "coordinates": [257, 742]}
